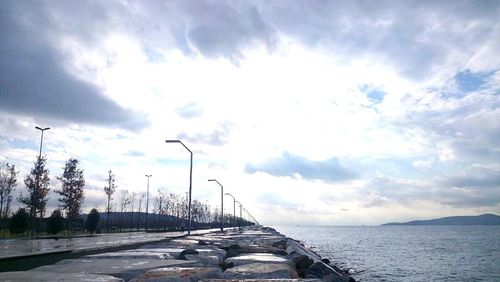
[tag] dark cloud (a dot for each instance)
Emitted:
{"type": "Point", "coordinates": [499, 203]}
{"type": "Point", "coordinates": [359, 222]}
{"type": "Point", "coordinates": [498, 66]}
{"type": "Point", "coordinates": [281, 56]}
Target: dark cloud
{"type": "Point", "coordinates": [288, 165]}
{"type": "Point", "coordinates": [190, 110]}
{"type": "Point", "coordinates": [34, 80]}
{"type": "Point", "coordinates": [218, 137]}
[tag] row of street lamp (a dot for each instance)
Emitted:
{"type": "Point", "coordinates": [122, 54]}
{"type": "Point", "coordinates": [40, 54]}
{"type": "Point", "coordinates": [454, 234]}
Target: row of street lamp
{"type": "Point", "coordinates": [190, 189]}
{"type": "Point", "coordinates": [35, 196]}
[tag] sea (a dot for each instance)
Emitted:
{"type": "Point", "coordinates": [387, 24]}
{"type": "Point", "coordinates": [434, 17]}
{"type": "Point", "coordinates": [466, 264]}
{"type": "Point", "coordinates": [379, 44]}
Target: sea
{"type": "Point", "coordinates": [407, 253]}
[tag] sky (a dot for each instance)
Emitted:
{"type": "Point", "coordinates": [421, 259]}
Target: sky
{"type": "Point", "coordinates": [308, 112]}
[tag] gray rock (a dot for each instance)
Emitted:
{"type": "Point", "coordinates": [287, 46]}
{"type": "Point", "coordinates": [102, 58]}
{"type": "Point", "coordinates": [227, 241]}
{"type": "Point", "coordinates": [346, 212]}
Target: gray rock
{"type": "Point", "coordinates": [235, 250]}
{"type": "Point", "coordinates": [132, 254]}
{"type": "Point", "coordinates": [258, 257]}
{"type": "Point", "coordinates": [185, 252]}
{"type": "Point", "coordinates": [294, 246]}
{"type": "Point", "coordinates": [54, 276]}
{"type": "Point", "coordinates": [122, 268]}
{"type": "Point", "coordinates": [320, 270]}
{"type": "Point", "coordinates": [261, 271]}
{"type": "Point", "coordinates": [302, 261]}
{"type": "Point", "coordinates": [281, 244]}
{"type": "Point", "coordinates": [180, 274]}
{"type": "Point", "coordinates": [205, 259]}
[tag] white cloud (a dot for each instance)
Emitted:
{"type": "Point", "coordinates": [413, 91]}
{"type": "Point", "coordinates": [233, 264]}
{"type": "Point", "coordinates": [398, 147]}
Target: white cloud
{"type": "Point", "coordinates": [242, 83]}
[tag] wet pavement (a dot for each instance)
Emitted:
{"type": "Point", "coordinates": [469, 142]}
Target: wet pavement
{"type": "Point", "coordinates": [11, 248]}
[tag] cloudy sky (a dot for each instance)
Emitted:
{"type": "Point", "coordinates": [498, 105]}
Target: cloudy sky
{"type": "Point", "coordinates": [309, 112]}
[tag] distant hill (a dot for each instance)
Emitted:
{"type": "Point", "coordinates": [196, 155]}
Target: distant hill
{"type": "Point", "coordinates": [484, 219]}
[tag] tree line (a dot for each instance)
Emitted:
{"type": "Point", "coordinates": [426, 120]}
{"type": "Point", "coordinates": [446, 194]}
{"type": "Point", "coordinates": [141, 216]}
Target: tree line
{"type": "Point", "coordinates": [169, 210]}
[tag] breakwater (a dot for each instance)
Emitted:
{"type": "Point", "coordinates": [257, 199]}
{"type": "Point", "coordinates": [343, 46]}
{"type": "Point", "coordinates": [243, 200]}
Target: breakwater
{"type": "Point", "coordinates": [255, 254]}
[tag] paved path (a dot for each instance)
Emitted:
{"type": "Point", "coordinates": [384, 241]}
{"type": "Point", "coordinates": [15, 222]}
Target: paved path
{"type": "Point", "coordinates": [12, 248]}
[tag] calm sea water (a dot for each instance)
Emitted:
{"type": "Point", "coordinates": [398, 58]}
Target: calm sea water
{"type": "Point", "coordinates": [408, 253]}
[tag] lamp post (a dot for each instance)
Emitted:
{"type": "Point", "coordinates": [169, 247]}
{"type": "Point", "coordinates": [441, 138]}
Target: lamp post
{"type": "Point", "coordinates": [147, 202]}
{"type": "Point", "coordinates": [239, 224]}
{"type": "Point", "coordinates": [221, 203]}
{"type": "Point", "coordinates": [35, 193]}
{"type": "Point", "coordinates": [190, 180]}
{"type": "Point", "coordinates": [234, 208]}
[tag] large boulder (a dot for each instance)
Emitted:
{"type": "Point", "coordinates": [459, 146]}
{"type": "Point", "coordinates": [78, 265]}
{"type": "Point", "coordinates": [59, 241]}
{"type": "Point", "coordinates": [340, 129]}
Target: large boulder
{"type": "Point", "coordinates": [205, 259]}
{"type": "Point", "coordinates": [302, 262]}
{"type": "Point", "coordinates": [131, 254]}
{"type": "Point", "coordinates": [180, 274]}
{"type": "Point", "coordinates": [236, 249]}
{"type": "Point", "coordinates": [322, 271]}
{"type": "Point", "coordinates": [185, 252]}
{"type": "Point", "coordinates": [257, 257]}
{"type": "Point", "coordinates": [261, 271]}
{"type": "Point", "coordinates": [122, 268]}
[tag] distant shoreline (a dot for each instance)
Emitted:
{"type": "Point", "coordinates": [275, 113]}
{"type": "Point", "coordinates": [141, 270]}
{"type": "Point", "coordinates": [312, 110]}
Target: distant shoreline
{"type": "Point", "coordinates": [484, 219]}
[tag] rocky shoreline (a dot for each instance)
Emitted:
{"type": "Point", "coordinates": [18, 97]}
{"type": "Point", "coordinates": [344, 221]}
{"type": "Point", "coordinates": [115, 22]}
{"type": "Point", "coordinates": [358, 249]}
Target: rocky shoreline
{"type": "Point", "coordinates": [251, 254]}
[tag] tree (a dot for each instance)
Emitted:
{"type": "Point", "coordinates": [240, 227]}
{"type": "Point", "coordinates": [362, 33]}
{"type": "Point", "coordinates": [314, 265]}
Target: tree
{"type": "Point", "coordinates": [8, 180]}
{"type": "Point", "coordinates": [110, 190]}
{"type": "Point", "coordinates": [72, 193]}
{"type": "Point", "coordinates": [19, 221]}
{"type": "Point", "coordinates": [93, 220]}
{"type": "Point", "coordinates": [56, 222]}
{"type": "Point", "coordinates": [37, 184]}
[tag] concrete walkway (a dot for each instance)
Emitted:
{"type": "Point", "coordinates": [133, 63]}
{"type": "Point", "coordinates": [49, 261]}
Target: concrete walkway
{"type": "Point", "coordinates": [13, 248]}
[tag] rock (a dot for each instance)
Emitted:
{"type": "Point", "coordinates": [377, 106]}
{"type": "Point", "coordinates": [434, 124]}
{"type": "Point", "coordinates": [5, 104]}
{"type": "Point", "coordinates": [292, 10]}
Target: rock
{"type": "Point", "coordinates": [54, 276]}
{"type": "Point", "coordinates": [180, 274]}
{"type": "Point", "coordinates": [319, 270]}
{"type": "Point", "coordinates": [257, 257]}
{"type": "Point", "coordinates": [205, 259]}
{"type": "Point", "coordinates": [202, 243]}
{"type": "Point", "coordinates": [185, 252]}
{"type": "Point", "coordinates": [122, 268]}
{"type": "Point", "coordinates": [225, 265]}
{"type": "Point", "coordinates": [325, 260]}
{"type": "Point", "coordinates": [302, 262]}
{"type": "Point", "coordinates": [235, 250]}
{"type": "Point", "coordinates": [131, 255]}
{"type": "Point", "coordinates": [293, 246]}
{"type": "Point", "coordinates": [280, 244]}
{"type": "Point", "coordinates": [333, 278]}
{"type": "Point", "coordinates": [261, 271]}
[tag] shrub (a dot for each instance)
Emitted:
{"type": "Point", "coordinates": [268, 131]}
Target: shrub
{"type": "Point", "coordinates": [56, 222]}
{"type": "Point", "coordinates": [92, 220]}
{"type": "Point", "coordinates": [19, 222]}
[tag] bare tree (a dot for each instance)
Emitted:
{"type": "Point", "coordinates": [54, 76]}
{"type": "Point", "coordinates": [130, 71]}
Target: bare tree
{"type": "Point", "coordinates": [110, 190]}
{"type": "Point", "coordinates": [8, 180]}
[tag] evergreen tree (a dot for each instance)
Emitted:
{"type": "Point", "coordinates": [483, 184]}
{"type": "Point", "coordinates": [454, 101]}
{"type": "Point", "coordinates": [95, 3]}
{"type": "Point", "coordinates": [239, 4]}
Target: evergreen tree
{"type": "Point", "coordinates": [72, 193]}
{"type": "Point", "coordinates": [93, 220]}
{"type": "Point", "coordinates": [56, 222]}
{"type": "Point", "coordinates": [8, 180]}
{"type": "Point", "coordinates": [37, 184]}
{"type": "Point", "coordinates": [19, 221]}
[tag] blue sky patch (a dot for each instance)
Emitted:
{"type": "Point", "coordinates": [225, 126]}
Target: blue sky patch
{"type": "Point", "coordinates": [374, 95]}
{"type": "Point", "coordinates": [468, 81]}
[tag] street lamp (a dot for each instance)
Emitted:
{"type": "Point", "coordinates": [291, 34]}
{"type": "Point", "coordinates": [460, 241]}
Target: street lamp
{"type": "Point", "coordinates": [240, 214]}
{"type": "Point", "coordinates": [234, 208]}
{"type": "Point", "coordinates": [35, 193]}
{"type": "Point", "coordinates": [190, 180]}
{"type": "Point", "coordinates": [147, 201]}
{"type": "Point", "coordinates": [221, 203]}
